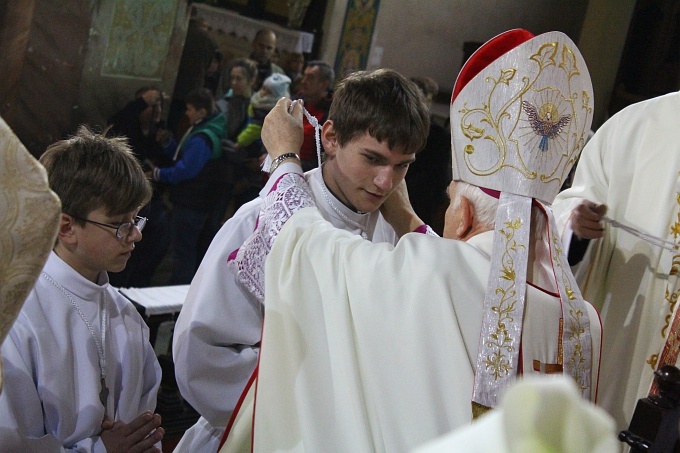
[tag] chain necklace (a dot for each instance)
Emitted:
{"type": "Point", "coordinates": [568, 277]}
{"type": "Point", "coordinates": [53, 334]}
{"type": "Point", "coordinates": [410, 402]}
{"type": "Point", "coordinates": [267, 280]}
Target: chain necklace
{"type": "Point", "coordinates": [101, 345]}
{"type": "Point", "coordinates": [332, 203]}
{"type": "Point", "coordinates": [317, 129]}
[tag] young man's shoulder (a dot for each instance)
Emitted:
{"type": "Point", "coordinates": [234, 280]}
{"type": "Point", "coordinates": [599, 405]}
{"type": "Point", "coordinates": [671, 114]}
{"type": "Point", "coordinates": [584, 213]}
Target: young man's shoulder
{"type": "Point", "coordinates": [235, 230]}
{"type": "Point", "coordinates": [246, 216]}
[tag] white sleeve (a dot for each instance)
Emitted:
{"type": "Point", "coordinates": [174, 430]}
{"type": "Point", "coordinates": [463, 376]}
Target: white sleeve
{"type": "Point", "coordinates": [217, 335]}
{"type": "Point", "coordinates": [591, 181]}
{"type": "Point", "coordinates": [22, 426]}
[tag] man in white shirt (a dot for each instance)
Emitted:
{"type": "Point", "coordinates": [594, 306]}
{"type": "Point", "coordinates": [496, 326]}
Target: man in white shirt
{"type": "Point", "coordinates": [377, 123]}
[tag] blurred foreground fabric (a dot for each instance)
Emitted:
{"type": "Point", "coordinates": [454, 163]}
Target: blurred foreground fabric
{"type": "Point", "coordinates": [536, 415]}
{"type": "Point", "coordinates": [29, 218]}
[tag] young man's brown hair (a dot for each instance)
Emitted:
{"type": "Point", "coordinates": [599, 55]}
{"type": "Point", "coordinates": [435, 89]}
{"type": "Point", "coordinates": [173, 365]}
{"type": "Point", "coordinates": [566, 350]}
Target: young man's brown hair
{"type": "Point", "coordinates": [383, 103]}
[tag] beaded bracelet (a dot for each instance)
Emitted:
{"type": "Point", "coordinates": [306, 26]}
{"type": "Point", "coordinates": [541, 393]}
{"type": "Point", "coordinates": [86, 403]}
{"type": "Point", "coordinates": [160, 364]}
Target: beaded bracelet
{"type": "Point", "coordinates": [280, 159]}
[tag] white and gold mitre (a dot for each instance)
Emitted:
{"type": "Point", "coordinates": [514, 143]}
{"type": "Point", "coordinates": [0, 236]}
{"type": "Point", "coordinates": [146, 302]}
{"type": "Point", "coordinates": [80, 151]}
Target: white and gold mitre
{"type": "Point", "coordinates": [521, 110]}
{"type": "Point", "coordinates": [518, 122]}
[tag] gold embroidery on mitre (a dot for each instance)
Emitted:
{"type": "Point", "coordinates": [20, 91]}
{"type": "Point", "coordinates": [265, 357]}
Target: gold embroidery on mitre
{"type": "Point", "coordinates": [498, 364]}
{"type": "Point", "coordinates": [552, 120]}
{"type": "Point", "coordinates": [569, 63]}
{"type": "Point", "coordinates": [546, 55]}
{"type": "Point", "coordinates": [481, 123]}
{"type": "Point", "coordinates": [546, 122]}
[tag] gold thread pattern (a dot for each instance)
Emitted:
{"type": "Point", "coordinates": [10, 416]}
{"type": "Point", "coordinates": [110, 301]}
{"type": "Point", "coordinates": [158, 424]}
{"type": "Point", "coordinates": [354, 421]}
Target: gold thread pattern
{"type": "Point", "coordinates": [577, 331]}
{"type": "Point", "coordinates": [671, 295]}
{"type": "Point", "coordinates": [653, 360]}
{"type": "Point", "coordinates": [498, 364]}
{"type": "Point", "coordinates": [561, 113]}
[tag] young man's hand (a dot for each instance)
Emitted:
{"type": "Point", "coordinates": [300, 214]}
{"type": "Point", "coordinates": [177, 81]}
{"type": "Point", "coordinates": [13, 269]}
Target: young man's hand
{"type": "Point", "coordinates": [138, 436]}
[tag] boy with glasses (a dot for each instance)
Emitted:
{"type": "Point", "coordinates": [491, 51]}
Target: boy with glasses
{"type": "Point", "coordinates": [79, 371]}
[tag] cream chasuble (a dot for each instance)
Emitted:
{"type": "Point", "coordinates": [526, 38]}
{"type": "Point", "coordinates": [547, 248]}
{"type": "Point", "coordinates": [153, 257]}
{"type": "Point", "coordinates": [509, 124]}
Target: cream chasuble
{"type": "Point", "coordinates": [631, 164]}
{"type": "Point", "coordinates": [372, 347]}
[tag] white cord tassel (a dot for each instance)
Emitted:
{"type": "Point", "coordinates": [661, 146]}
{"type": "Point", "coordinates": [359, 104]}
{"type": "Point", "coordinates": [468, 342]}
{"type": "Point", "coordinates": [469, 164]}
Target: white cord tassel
{"type": "Point", "coordinates": [664, 244]}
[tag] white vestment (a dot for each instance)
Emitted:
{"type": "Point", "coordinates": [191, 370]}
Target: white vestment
{"type": "Point", "coordinates": [217, 335]}
{"type": "Point", "coordinates": [372, 347]}
{"type": "Point", "coordinates": [52, 384]}
{"type": "Point", "coordinates": [631, 164]}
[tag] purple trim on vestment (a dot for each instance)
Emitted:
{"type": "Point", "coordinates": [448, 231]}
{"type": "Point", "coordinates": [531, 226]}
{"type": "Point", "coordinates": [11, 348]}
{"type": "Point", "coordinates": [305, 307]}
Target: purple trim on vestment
{"type": "Point", "coordinates": [422, 229]}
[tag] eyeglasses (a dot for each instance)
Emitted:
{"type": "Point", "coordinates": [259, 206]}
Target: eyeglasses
{"type": "Point", "coordinates": [122, 229]}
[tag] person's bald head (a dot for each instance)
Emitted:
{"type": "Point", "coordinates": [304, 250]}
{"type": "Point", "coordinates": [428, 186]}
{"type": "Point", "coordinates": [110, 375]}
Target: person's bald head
{"type": "Point", "coordinates": [264, 45]}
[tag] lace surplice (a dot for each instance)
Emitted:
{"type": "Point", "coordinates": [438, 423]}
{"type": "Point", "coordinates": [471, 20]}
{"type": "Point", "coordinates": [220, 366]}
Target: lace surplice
{"type": "Point", "coordinates": [289, 194]}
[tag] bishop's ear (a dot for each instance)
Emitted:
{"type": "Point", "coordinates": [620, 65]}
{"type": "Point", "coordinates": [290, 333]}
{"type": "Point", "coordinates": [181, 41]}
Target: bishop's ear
{"type": "Point", "coordinates": [465, 218]}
